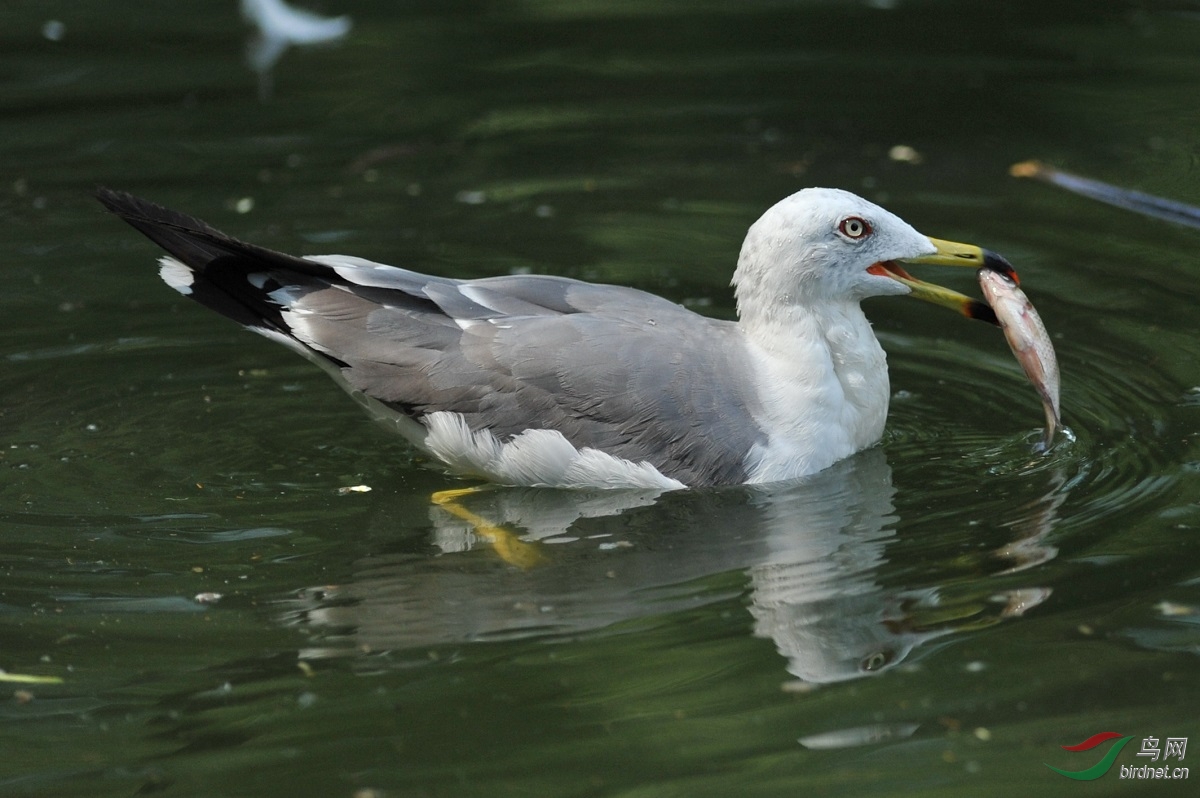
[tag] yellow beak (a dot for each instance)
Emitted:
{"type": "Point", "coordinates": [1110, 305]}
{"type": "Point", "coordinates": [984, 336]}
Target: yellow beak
{"type": "Point", "coordinates": [949, 253]}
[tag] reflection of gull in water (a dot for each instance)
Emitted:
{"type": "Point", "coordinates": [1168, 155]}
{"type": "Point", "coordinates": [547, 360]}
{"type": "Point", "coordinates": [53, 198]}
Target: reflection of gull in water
{"type": "Point", "coordinates": [812, 554]}
{"type": "Point", "coordinates": [805, 610]}
{"type": "Point", "coordinates": [280, 26]}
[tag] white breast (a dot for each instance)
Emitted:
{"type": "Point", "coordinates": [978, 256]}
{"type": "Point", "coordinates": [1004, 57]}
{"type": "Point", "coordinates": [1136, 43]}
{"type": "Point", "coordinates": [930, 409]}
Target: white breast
{"type": "Point", "coordinates": [823, 385]}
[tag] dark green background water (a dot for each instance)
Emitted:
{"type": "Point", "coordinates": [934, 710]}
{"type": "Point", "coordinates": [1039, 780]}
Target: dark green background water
{"type": "Point", "coordinates": [935, 617]}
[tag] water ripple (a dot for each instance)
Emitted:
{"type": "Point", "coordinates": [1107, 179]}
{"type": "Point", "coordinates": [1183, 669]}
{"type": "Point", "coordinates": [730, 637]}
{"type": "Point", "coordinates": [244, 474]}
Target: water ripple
{"type": "Point", "coordinates": [974, 414]}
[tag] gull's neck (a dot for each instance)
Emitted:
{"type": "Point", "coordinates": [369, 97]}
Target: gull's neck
{"type": "Point", "coordinates": [822, 383]}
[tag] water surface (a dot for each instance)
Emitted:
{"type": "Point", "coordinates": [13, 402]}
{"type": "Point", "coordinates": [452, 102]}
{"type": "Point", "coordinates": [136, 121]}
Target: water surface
{"type": "Point", "coordinates": [936, 616]}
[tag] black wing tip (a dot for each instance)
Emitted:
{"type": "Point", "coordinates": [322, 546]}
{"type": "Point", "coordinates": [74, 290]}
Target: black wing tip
{"type": "Point", "coordinates": [121, 203]}
{"type": "Point", "coordinates": [133, 208]}
{"type": "Point", "coordinates": [188, 239]}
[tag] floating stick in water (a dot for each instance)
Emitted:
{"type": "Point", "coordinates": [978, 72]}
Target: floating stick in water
{"type": "Point", "coordinates": [1130, 200]}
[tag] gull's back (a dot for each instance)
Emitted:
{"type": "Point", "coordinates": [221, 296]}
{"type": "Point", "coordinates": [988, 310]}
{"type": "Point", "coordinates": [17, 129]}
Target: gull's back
{"type": "Point", "coordinates": [609, 368]}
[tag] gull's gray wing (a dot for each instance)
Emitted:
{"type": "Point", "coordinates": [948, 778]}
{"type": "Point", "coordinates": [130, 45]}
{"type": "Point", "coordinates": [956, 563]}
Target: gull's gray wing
{"type": "Point", "coordinates": [609, 367]}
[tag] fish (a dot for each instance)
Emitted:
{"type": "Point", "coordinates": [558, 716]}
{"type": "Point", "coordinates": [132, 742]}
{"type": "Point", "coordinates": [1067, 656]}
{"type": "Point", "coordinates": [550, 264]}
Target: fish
{"type": "Point", "coordinates": [1028, 340]}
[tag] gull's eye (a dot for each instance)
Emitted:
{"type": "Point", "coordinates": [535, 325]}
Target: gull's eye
{"type": "Point", "coordinates": [854, 227]}
{"type": "Point", "coordinates": [877, 660]}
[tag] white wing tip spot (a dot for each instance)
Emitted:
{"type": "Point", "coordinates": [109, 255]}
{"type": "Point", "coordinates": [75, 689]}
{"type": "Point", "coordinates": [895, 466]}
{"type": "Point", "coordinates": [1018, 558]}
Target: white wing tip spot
{"type": "Point", "coordinates": [176, 274]}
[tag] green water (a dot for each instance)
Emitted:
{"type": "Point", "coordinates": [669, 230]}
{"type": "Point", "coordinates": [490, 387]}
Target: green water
{"type": "Point", "coordinates": [935, 617]}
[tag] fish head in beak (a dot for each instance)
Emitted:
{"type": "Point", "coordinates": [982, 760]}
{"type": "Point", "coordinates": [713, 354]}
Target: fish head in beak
{"type": "Point", "coordinates": [948, 253]}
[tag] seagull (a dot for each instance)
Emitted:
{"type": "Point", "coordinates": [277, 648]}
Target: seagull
{"type": "Point", "coordinates": [277, 20]}
{"type": "Point", "coordinates": [546, 381]}
{"type": "Point", "coordinates": [281, 26]}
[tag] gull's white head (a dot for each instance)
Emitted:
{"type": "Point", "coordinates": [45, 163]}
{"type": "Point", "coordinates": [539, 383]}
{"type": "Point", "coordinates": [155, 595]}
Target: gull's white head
{"type": "Point", "coordinates": [817, 246]}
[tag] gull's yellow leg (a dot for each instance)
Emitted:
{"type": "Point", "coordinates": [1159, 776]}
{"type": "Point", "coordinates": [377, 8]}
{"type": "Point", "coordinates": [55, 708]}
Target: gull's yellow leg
{"type": "Point", "coordinates": [509, 546]}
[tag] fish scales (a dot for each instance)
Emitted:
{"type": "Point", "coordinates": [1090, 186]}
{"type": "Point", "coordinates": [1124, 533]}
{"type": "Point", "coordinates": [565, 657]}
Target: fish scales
{"type": "Point", "coordinates": [1027, 337]}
